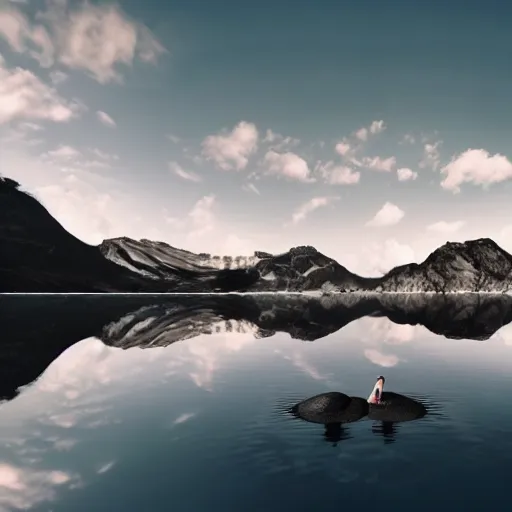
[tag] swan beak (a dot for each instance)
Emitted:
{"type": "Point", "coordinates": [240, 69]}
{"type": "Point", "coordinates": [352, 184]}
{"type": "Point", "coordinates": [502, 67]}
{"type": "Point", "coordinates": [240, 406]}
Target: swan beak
{"type": "Point", "coordinates": [376, 394]}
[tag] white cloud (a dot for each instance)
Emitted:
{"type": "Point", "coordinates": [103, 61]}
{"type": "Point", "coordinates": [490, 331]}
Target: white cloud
{"type": "Point", "coordinates": [96, 39]}
{"type": "Point", "coordinates": [57, 77]}
{"type": "Point", "coordinates": [388, 215]}
{"type": "Point", "coordinates": [72, 197]}
{"type": "Point", "coordinates": [379, 258]}
{"type": "Point", "coordinates": [148, 48]}
{"type": "Point", "coordinates": [197, 223]}
{"type": "Point", "coordinates": [202, 216]}
{"type": "Point", "coordinates": [504, 238]}
{"type": "Point", "coordinates": [91, 38]}
{"type": "Point", "coordinates": [377, 127]}
{"type": "Point", "coordinates": [271, 136]}
{"type": "Point", "coordinates": [252, 188]}
{"type": "Point", "coordinates": [431, 156]}
{"type": "Point", "coordinates": [103, 155]}
{"type": "Point", "coordinates": [23, 133]}
{"type": "Point", "coordinates": [186, 175]}
{"type": "Point", "coordinates": [173, 138]}
{"type": "Point", "coordinates": [310, 206]}
{"type": "Point", "coordinates": [289, 165]}
{"type": "Point", "coordinates": [232, 150]}
{"type": "Point", "coordinates": [279, 142]}
{"type": "Point", "coordinates": [104, 118]}
{"type": "Point", "coordinates": [24, 96]}
{"type": "Point", "coordinates": [374, 128]}
{"type": "Point", "coordinates": [406, 174]}
{"type": "Point", "coordinates": [23, 37]}
{"type": "Point", "coordinates": [348, 146]}
{"type": "Point", "coordinates": [475, 166]}
{"type": "Point", "coordinates": [408, 138]}
{"type": "Point", "coordinates": [446, 227]}
{"type": "Point", "coordinates": [342, 148]}
{"type": "Point", "coordinates": [362, 134]}
{"type": "Point", "coordinates": [338, 174]}
{"type": "Point", "coordinates": [95, 164]}
{"type": "Point", "coordinates": [31, 126]}
{"type": "Point", "coordinates": [379, 164]}
{"type": "Point", "coordinates": [63, 152]}
{"type": "Point", "coordinates": [70, 159]}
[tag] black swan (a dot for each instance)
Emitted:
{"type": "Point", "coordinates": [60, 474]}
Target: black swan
{"type": "Point", "coordinates": [332, 407]}
{"type": "Point", "coordinates": [390, 407]}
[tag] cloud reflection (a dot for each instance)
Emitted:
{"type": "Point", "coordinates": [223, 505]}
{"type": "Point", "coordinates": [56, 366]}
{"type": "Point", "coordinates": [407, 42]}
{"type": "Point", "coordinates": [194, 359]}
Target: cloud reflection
{"type": "Point", "coordinates": [106, 467]}
{"type": "Point", "coordinates": [205, 353]}
{"type": "Point", "coordinates": [77, 391]}
{"type": "Point", "coordinates": [300, 362]}
{"type": "Point", "coordinates": [504, 335]}
{"type": "Point", "coordinates": [380, 359]}
{"type": "Point", "coordinates": [23, 487]}
{"type": "Point", "coordinates": [182, 418]}
{"type": "Point", "coordinates": [382, 334]}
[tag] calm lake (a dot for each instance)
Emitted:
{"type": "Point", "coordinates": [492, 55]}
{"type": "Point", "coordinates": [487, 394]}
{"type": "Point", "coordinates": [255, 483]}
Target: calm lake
{"type": "Point", "coordinates": [203, 423]}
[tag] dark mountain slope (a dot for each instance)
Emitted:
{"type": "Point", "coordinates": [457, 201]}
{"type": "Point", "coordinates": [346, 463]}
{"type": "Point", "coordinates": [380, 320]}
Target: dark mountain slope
{"type": "Point", "coordinates": [38, 255]}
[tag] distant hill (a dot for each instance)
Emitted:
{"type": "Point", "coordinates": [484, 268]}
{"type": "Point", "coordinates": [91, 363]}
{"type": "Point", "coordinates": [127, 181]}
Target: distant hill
{"type": "Point", "coordinates": [39, 255]}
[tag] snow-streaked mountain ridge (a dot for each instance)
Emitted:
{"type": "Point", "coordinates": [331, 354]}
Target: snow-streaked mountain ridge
{"type": "Point", "coordinates": [38, 255]}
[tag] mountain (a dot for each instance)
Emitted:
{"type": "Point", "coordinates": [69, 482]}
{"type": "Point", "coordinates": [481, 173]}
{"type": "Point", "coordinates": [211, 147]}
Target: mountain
{"type": "Point", "coordinates": [473, 266]}
{"type": "Point", "coordinates": [159, 260]}
{"type": "Point", "coordinates": [36, 330]}
{"type": "Point", "coordinates": [39, 255]}
{"type": "Point", "coordinates": [304, 268]}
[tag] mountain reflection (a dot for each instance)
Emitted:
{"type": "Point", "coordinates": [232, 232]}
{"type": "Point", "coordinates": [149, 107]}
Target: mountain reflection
{"type": "Point", "coordinates": [36, 330]}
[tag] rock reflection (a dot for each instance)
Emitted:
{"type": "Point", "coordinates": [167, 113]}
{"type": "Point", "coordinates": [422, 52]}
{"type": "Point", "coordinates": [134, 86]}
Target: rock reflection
{"type": "Point", "coordinates": [334, 433]}
{"type": "Point", "coordinates": [387, 430]}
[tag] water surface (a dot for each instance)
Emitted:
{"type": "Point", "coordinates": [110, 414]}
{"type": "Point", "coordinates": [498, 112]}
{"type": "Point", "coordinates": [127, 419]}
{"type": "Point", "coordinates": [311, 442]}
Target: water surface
{"type": "Point", "coordinates": [202, 423]}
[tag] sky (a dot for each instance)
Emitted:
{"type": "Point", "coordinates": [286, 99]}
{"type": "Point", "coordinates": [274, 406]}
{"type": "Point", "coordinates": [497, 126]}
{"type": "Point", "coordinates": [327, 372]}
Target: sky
{"type": "Point", "coordinates": [374, 131]}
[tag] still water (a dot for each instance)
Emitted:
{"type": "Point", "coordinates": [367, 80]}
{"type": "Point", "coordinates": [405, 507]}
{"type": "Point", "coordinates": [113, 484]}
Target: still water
{"type": "Point", "coordinates": [202, 423]}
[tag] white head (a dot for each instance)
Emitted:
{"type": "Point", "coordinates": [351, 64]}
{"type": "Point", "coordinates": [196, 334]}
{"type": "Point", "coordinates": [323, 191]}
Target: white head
{"type": "Point", "coordinates": [376, 394]}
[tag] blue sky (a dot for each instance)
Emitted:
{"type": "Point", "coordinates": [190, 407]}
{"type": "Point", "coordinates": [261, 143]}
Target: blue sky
{"type": "Point", "coordinates": [374, 131]}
